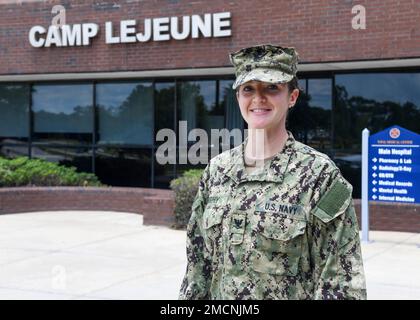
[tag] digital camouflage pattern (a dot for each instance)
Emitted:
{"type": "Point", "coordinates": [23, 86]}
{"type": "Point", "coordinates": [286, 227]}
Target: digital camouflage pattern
{"type": "Point", "coordinates": [288, 232]}
{"type": "Point", "coordinates": [265, 63]}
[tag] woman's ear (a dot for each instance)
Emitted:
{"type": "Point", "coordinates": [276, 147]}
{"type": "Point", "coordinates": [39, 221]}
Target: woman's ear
{"type": "Point", "coordinates": [293, 97]}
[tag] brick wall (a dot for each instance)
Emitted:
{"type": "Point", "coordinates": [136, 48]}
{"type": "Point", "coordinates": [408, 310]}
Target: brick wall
{"type": "Point", "coordinates": [157, 205]}
{"type": "Point", "coordinates": [392, 217]}
{"type": "Point", "coordinates": [320, 30]}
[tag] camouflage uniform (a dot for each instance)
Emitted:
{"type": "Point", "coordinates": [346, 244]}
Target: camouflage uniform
{"type": "Point", "coordinates": [289, 232]}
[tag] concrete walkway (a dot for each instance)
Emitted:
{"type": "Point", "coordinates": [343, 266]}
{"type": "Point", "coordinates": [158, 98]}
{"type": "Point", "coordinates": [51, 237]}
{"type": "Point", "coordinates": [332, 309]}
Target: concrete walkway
{"type": "Point", "coordinates": [111, 255]}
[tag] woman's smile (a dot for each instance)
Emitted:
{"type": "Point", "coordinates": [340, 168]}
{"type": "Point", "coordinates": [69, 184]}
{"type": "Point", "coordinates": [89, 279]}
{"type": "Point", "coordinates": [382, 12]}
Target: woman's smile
{"type": "Point", "coordinates": [260, 111]}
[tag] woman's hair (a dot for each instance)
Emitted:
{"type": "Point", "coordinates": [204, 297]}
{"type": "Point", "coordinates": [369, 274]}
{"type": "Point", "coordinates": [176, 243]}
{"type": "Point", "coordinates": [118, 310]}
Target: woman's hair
{"type": "Point", "coordinates": [293, 84]}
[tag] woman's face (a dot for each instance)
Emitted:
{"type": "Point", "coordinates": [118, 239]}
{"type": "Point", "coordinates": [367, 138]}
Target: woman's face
{"type": "Point", "coordinates": [264, 105]}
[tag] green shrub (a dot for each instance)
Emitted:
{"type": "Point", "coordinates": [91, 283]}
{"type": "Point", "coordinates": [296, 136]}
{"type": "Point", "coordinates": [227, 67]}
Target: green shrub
{"type": "Point", "coordinates": [185, 188]}
{"type": "Point", "coordinates": [23, 171]}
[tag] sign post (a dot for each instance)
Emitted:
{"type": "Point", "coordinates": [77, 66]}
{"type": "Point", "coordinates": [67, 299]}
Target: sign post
{"type": "Point", "coordinates": [365, 185]}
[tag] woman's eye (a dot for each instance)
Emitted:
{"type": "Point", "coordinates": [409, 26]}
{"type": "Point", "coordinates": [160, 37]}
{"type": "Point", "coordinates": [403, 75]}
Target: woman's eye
{"type": "Point", "coordinates": [272, 87]}
{"type": "Point", "coordinates": [247, 88]}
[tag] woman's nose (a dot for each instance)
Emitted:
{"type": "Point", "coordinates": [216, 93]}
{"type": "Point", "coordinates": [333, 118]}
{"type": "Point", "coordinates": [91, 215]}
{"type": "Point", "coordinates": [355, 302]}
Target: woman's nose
{"type": "Point", "coordinates": [259, 96]}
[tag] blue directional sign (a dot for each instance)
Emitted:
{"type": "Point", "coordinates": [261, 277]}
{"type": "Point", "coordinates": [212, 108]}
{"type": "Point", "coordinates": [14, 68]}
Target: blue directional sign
{"type": "Point", "coordinates": [394, 166]}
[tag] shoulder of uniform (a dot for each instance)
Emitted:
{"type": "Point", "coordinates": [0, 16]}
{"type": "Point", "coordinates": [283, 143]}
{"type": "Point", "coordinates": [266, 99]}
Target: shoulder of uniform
{"type": "Point", "coordinates": [321, 159]}
{"type": "Point", "coordinates": [225, 158]}
{"type": "Point", "coordinates": [334, 196]}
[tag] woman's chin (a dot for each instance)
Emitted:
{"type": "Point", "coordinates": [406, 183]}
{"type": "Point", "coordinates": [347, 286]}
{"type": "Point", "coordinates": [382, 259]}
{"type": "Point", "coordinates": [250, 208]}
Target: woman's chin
{"type": "Point", "coordinates": [258, 124]}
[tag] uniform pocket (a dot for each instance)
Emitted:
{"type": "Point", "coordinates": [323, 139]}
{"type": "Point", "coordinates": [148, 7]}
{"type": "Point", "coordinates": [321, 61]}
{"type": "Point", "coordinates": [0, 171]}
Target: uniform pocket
{"type": "Point", "coordinates": [277, 243]}
{"type": "Point", "coordinates": [212, 217]}
{"type": "Point", "coordinates": [212, 225]}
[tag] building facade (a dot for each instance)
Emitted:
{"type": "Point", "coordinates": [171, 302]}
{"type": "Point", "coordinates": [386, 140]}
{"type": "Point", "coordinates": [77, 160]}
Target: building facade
{"type": "Point", "coordinates": [94, 94]}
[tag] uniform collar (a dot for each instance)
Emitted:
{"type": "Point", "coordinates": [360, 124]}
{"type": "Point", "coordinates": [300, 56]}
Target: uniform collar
{"type": "Point", "coordinates": [273, 171]}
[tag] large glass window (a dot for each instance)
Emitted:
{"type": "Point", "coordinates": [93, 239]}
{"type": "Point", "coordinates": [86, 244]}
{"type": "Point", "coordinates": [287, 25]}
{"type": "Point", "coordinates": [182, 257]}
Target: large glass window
{"type": "Point", "coordinates": [123, 166]}
{"type": "Point", "coordinates": [302, 85]}
{"type": "Point", "coordinates": [164, 119]}
{"type": "Point", "coordinates": [163, 174]}
{"type": "Point", "coordinates": [78, 157]}
{"type": "Point", "coordinates": [310, 119]}
{"type": "Point", "coordinates": [319, 114]}
{"type": "Point", "coordinates": [164, 106]}
{"type": "Point", "coordinates": [198, 106]}
{"type": "Point", "coordinates": [63, 113]}
{"type": "Point", "coordinates": [8, 151]}
{"type": "Point", "coordinates": [229, 103]}
{"type": "Point", "coordinates": [14, 113]}
{"type": "Point", "coordinates": [297, 116]}
{"type": "Point", "coordinates": [375, 101]}
{"type": "Point", "coordinates": [125, 113]}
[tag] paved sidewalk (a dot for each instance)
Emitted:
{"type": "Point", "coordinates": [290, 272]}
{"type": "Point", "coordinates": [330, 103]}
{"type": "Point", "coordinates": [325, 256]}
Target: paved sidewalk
{"type": "Point", "coordinates": [392, 265]}
{"type": "Point", "coordinates": [111, 255]}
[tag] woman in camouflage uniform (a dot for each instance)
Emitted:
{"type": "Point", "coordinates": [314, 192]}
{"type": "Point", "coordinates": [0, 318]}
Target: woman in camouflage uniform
{"type": "Point", "coordinates": [283, 229]}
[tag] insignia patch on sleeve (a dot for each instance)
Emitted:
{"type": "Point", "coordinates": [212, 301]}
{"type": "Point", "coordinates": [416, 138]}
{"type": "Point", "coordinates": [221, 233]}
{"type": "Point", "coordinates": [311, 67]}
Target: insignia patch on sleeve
{"type": "Point", "coordinates": [332, 201]}
{"type": "Point", "coordinates": [335, 201]}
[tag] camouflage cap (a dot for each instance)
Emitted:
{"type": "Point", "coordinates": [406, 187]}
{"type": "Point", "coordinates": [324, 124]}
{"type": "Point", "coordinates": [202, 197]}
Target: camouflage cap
{"type": "Point", "coordinates": [267, 63]}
